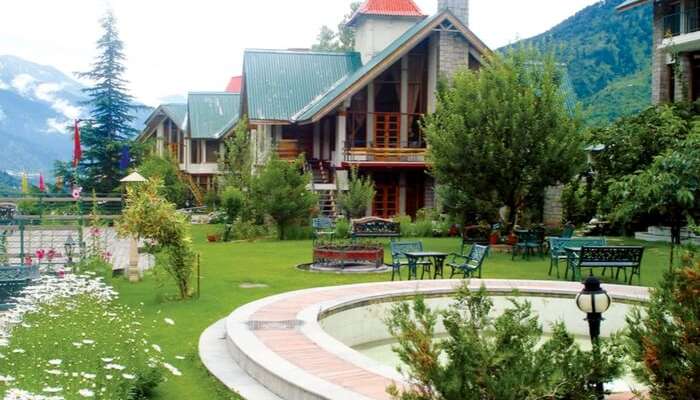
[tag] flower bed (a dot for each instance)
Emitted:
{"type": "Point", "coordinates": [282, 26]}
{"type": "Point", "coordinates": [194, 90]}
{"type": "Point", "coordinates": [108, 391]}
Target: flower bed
{"type": "Point", "coordinates": [341, 254]}
{"type": "Point", "coordinates": [68, 338]}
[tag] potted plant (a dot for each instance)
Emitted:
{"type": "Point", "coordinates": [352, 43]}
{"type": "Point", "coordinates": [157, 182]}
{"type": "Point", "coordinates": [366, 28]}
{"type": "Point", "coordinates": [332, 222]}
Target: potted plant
{"type": "Point", "coordinates": [213, 237]}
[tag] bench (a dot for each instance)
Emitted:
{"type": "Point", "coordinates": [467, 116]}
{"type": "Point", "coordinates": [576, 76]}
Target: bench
{"type": "Point", "coordinates": [399, 259]}
{"type": "Point", "coordinates": [372, 227]}
{"type": "Point", "coordinates": [617, 257]}
{"type": "Point", "coordinates": [470, 263]}
{"type": "Point", "coordinates": [13, 279]}
{"type": "Point", "coordinates": [557, 252]}
{"type": "Point", "coordinates": [323, 227]}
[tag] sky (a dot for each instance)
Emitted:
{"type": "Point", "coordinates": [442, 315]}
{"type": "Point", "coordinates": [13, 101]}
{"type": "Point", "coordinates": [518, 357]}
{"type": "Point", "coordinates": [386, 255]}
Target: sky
{"type": "Point", "coordinates": [176, 46]}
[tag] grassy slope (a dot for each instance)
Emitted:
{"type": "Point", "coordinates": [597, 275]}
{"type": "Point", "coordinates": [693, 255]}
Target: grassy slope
{"type": "Point", "coordinates": [226, 266]}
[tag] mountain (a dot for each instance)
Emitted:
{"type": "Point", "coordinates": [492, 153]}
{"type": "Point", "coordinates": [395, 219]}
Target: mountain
{"type": "Point", "coordinates": [8, 183]}
{"type": "Point", "coordinates": [608, 58]}
{"type": "Point", "coordinates": [37, 106]}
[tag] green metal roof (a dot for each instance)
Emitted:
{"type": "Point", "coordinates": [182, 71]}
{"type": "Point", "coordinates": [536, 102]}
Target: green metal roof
{"type": "Point", "coordinates": [626, 5]}
{"type": "Point", "coordinates": [212, 114]}
{"type": "Point", "coordinates": [176, 112]}
{"type": "Point", "coordinates": [332, 94]}
{"type": "Point", "coordinates": [280, 83]}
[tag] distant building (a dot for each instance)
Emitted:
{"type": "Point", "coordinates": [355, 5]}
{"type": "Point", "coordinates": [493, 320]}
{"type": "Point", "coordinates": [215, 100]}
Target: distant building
{"type": "Point", "coordinates": [350, 109]}
{"type": "Point", "coordinates": [676, 32]}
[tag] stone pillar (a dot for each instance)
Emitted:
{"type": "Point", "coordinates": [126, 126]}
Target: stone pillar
{"type": "Point", "coordinates": [460, 8]}
{"type": "Point", "coordinates": [660, 72]}
{"type": "Point", "coordinates": [160, 140]}
{"type": "Point", "coordinates": [340, 137]}
{"type": "Point", "coordinates": [454, 53]}
{"type": "Point", "coordinates": [403, 138]}
{"type": "Point", "coordinates": [553, 213]}
{"type": "Point", "coordinates": [370, 115]}
{"type": "Point", "coordinates": [683, 81]}
{"type": "Point", "coordinates": [132, 271]}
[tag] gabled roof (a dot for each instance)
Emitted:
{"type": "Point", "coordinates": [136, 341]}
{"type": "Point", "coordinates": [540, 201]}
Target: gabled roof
{"type": "Point", "coordinates": [398, 8]}
{"type": "Point", "coordinates": [212, 114]}
{"type": "Point", "coordinates": [626, 5]}
{"type": "Point", "coordinates": [234, 85]}
{"type": "Point", "coordinates": [175, 111]}
{"type": "Point", "coordinates": [383, 60]}
{"type": "Point", "coordinates": [279, 83]}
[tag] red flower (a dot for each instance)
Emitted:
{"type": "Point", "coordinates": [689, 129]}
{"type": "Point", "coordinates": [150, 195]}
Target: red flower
{"type": "Point", "coordinates": [28, 260]}
{"type": "Point", "coordinates": [40, 254]}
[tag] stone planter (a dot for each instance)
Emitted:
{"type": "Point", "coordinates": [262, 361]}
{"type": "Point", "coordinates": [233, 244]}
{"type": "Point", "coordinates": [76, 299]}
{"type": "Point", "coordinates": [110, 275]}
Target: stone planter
{"type": "Point", "coordinates": [342, 255]}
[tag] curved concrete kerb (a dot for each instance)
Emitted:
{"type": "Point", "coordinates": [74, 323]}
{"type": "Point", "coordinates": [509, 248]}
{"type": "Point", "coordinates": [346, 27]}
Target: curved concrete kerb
{"type": "Point", "coordinates": [280, 343]}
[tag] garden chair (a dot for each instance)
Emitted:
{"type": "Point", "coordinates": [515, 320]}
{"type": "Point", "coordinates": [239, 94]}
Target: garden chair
{"type": "Point", "coordinates": [470, 263]}
{"type": "Point", "coordinates": [399, 259]}
{"type": "Point", "coordinates": [526, 243]}
{"type": "Point", "coordinates": [568, 231]}
{"type": "Point", "coordinates": [323, 228]}
{"type": "Point", "coordinates": [558, 245]}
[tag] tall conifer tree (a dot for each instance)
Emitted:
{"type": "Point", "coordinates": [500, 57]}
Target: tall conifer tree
{"type": "Point", "coordinates": [111, 106]}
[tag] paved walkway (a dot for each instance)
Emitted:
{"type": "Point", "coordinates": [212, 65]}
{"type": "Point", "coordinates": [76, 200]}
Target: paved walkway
{"type": "Point", "coordinates": [279, 341]}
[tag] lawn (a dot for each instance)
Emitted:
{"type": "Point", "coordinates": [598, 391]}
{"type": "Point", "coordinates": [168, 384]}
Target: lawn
{"type": "Point", "coordinates": [225, 266]}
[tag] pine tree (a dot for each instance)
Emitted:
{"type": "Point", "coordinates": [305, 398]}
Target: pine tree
{"type": "Point", "coordinates": [109, 129]}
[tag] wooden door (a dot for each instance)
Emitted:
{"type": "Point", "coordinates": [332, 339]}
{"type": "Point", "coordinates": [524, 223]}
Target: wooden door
{"type": "Point", "coordinates": [386, 198]}
{"type": "Point", "coordinates": [387, 130]}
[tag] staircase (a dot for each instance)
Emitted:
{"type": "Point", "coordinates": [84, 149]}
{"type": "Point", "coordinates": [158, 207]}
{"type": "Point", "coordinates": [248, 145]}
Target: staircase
{"type": "Point", "coordinates": [323, 186]}
{"type": "Point", "coordinates": [194, 188]}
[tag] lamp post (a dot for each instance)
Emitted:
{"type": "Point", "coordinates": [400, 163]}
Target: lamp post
{"type": "Point", "coordinates": [132, 270]}
{"type": "Point", "coordinates": [69, 246]}
{"type": "Point", "coordinates": [594, 301]}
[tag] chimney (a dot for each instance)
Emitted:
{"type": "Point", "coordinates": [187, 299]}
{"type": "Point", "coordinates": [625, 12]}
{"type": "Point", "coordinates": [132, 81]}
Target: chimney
{"type": "Point", "coordinates": [460, 8]}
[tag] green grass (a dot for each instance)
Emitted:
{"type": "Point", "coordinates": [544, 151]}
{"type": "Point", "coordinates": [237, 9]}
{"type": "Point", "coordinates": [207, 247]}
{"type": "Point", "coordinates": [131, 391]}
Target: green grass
{"type": "Point", "coordinates": [227, 265]}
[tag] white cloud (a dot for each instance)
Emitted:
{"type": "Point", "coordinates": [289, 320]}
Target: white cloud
{"type": "Point", "coordinates": [3, 85]}
{"type": "Point", "coordinates": [53, 125]}
{"type": "Point", "coordinates": [46, 92]}
{"type": "Point", "coordinates": [23, 83]}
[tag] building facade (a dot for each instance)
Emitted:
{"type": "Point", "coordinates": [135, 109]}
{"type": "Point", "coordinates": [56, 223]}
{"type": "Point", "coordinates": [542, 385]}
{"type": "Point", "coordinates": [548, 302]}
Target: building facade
{"type": "Point", "coordinates": [676, 49]}
{"type": "Point", "coordinates": [359, 109]}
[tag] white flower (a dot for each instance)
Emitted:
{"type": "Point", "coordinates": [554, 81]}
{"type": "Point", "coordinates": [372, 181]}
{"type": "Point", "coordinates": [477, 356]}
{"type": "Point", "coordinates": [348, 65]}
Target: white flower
{"type": "Point", "coordinates": [86, 393]}
{"type": "Point", "coordinates": [77, 344]}
{"type": "Point", "coordinates": [55, 362]}
{"type": "Point", "coordinates": [109, 377]}
{"type": "Point", "coordinates": [172, 369]}
{"type": "Point", "coordinates": [107, 360]}
{"type": "Point", "coordinates": [129, 376]}
{"type": "Point", "coordinates": [53, 371]}
{"type": "Point", "coordinates": [6, 378]}
{"type": "Point", "coordinates": [169, 321]}
{"type": "Point", "coordinates": [18, 351]}
{"type": "Point", "coordinates": [180, 357]}
{"type": "Point", "coordinates": [115, 366]}
{"type": "Point", "coordinates": [156, 348]}
{"type": "Point", "coordinates": [50, 389]}
{"type": "Point", "coordinates": [88, 341]}
{"type": "Point", "coordinates": [88, 376]}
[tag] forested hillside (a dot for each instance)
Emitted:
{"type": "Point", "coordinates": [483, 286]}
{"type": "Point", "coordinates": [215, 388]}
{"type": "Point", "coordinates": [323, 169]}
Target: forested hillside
{"type": "Point", "coordinates": [608, 57]}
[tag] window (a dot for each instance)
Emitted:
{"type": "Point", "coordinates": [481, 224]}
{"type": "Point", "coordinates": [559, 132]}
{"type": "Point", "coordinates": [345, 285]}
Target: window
{"type": "Point", "coordinates": [212, 151]}
{"type": "Point", "coordinates": [195, 152]}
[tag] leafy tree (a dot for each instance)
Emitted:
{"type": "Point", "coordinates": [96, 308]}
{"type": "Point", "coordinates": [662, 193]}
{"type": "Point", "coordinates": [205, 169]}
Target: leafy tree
{"type": "Point", "coordinates": [165, 168]}
{"type": "Point", "coordinates": [149, 215]}
{"type": "Point", "coordinates": [501, 135]}
{"type": "Point", "coordinates": [668, 189]}
{"type": "Point", "coordinates": [237, 159]}
{"type": "Point", "coordinates": [109, 130]}
{"type": "Point", "coordinates": [281, 191]}
{"type": "Point", "coordinates": [493, 358]}
{"type": "Point", "coordinates": [360, 193]}
{"type": "Point", "coordinates": [665, 337]}
{"type": "Point", "coordinates": [343, 39]}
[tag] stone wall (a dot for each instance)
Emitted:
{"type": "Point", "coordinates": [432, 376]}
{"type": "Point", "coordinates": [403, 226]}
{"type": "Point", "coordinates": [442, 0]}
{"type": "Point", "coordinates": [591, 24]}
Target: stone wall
{"type": "Point", "coordinates": [553, 211]}
{"type": "Point", "coordinates": [453, 53]}
{"type": "Point", "coordinates": [660, 72]}
{"type": "Point", "coordinates": [460, 8]}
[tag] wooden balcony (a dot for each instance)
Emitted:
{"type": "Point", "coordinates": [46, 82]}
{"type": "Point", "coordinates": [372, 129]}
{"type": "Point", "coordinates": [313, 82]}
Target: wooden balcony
{"type": "Point", "coordinates": [385, 154]}
{"type": "Point", "coordinates": [383, 143]}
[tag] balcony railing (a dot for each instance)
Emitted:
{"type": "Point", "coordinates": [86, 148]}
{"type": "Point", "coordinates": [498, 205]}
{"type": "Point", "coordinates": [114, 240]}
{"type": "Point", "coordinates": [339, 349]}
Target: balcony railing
{"type": "Point", "coordinates": [681, 23]}
{"type": "Point", "coordinates": [381, 140]}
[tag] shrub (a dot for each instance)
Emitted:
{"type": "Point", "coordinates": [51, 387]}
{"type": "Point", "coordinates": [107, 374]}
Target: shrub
{"type": "Point", "coordinates": [405, 225]}
{"type": "Point", "coordinates": [211, 199]}
{"type": "Point", "coordinates": [70, 338]}
{"type": "Point", "coordinates": [354, 201]}
{"type": "Point", "coordinates": [165, 168]}
{"type": "Point", "coordinates": [298, 232]}
{"type": "Point", "coordinates": [342, 228]}
{"type": "Point", "coordinates": [423, 228]}
{"type": "Point", "coordinates": [248, 230]}
{"type": "Point", "coordinates": [484, 357]}
{"type": "Point", "coordinates": [665, 340]}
